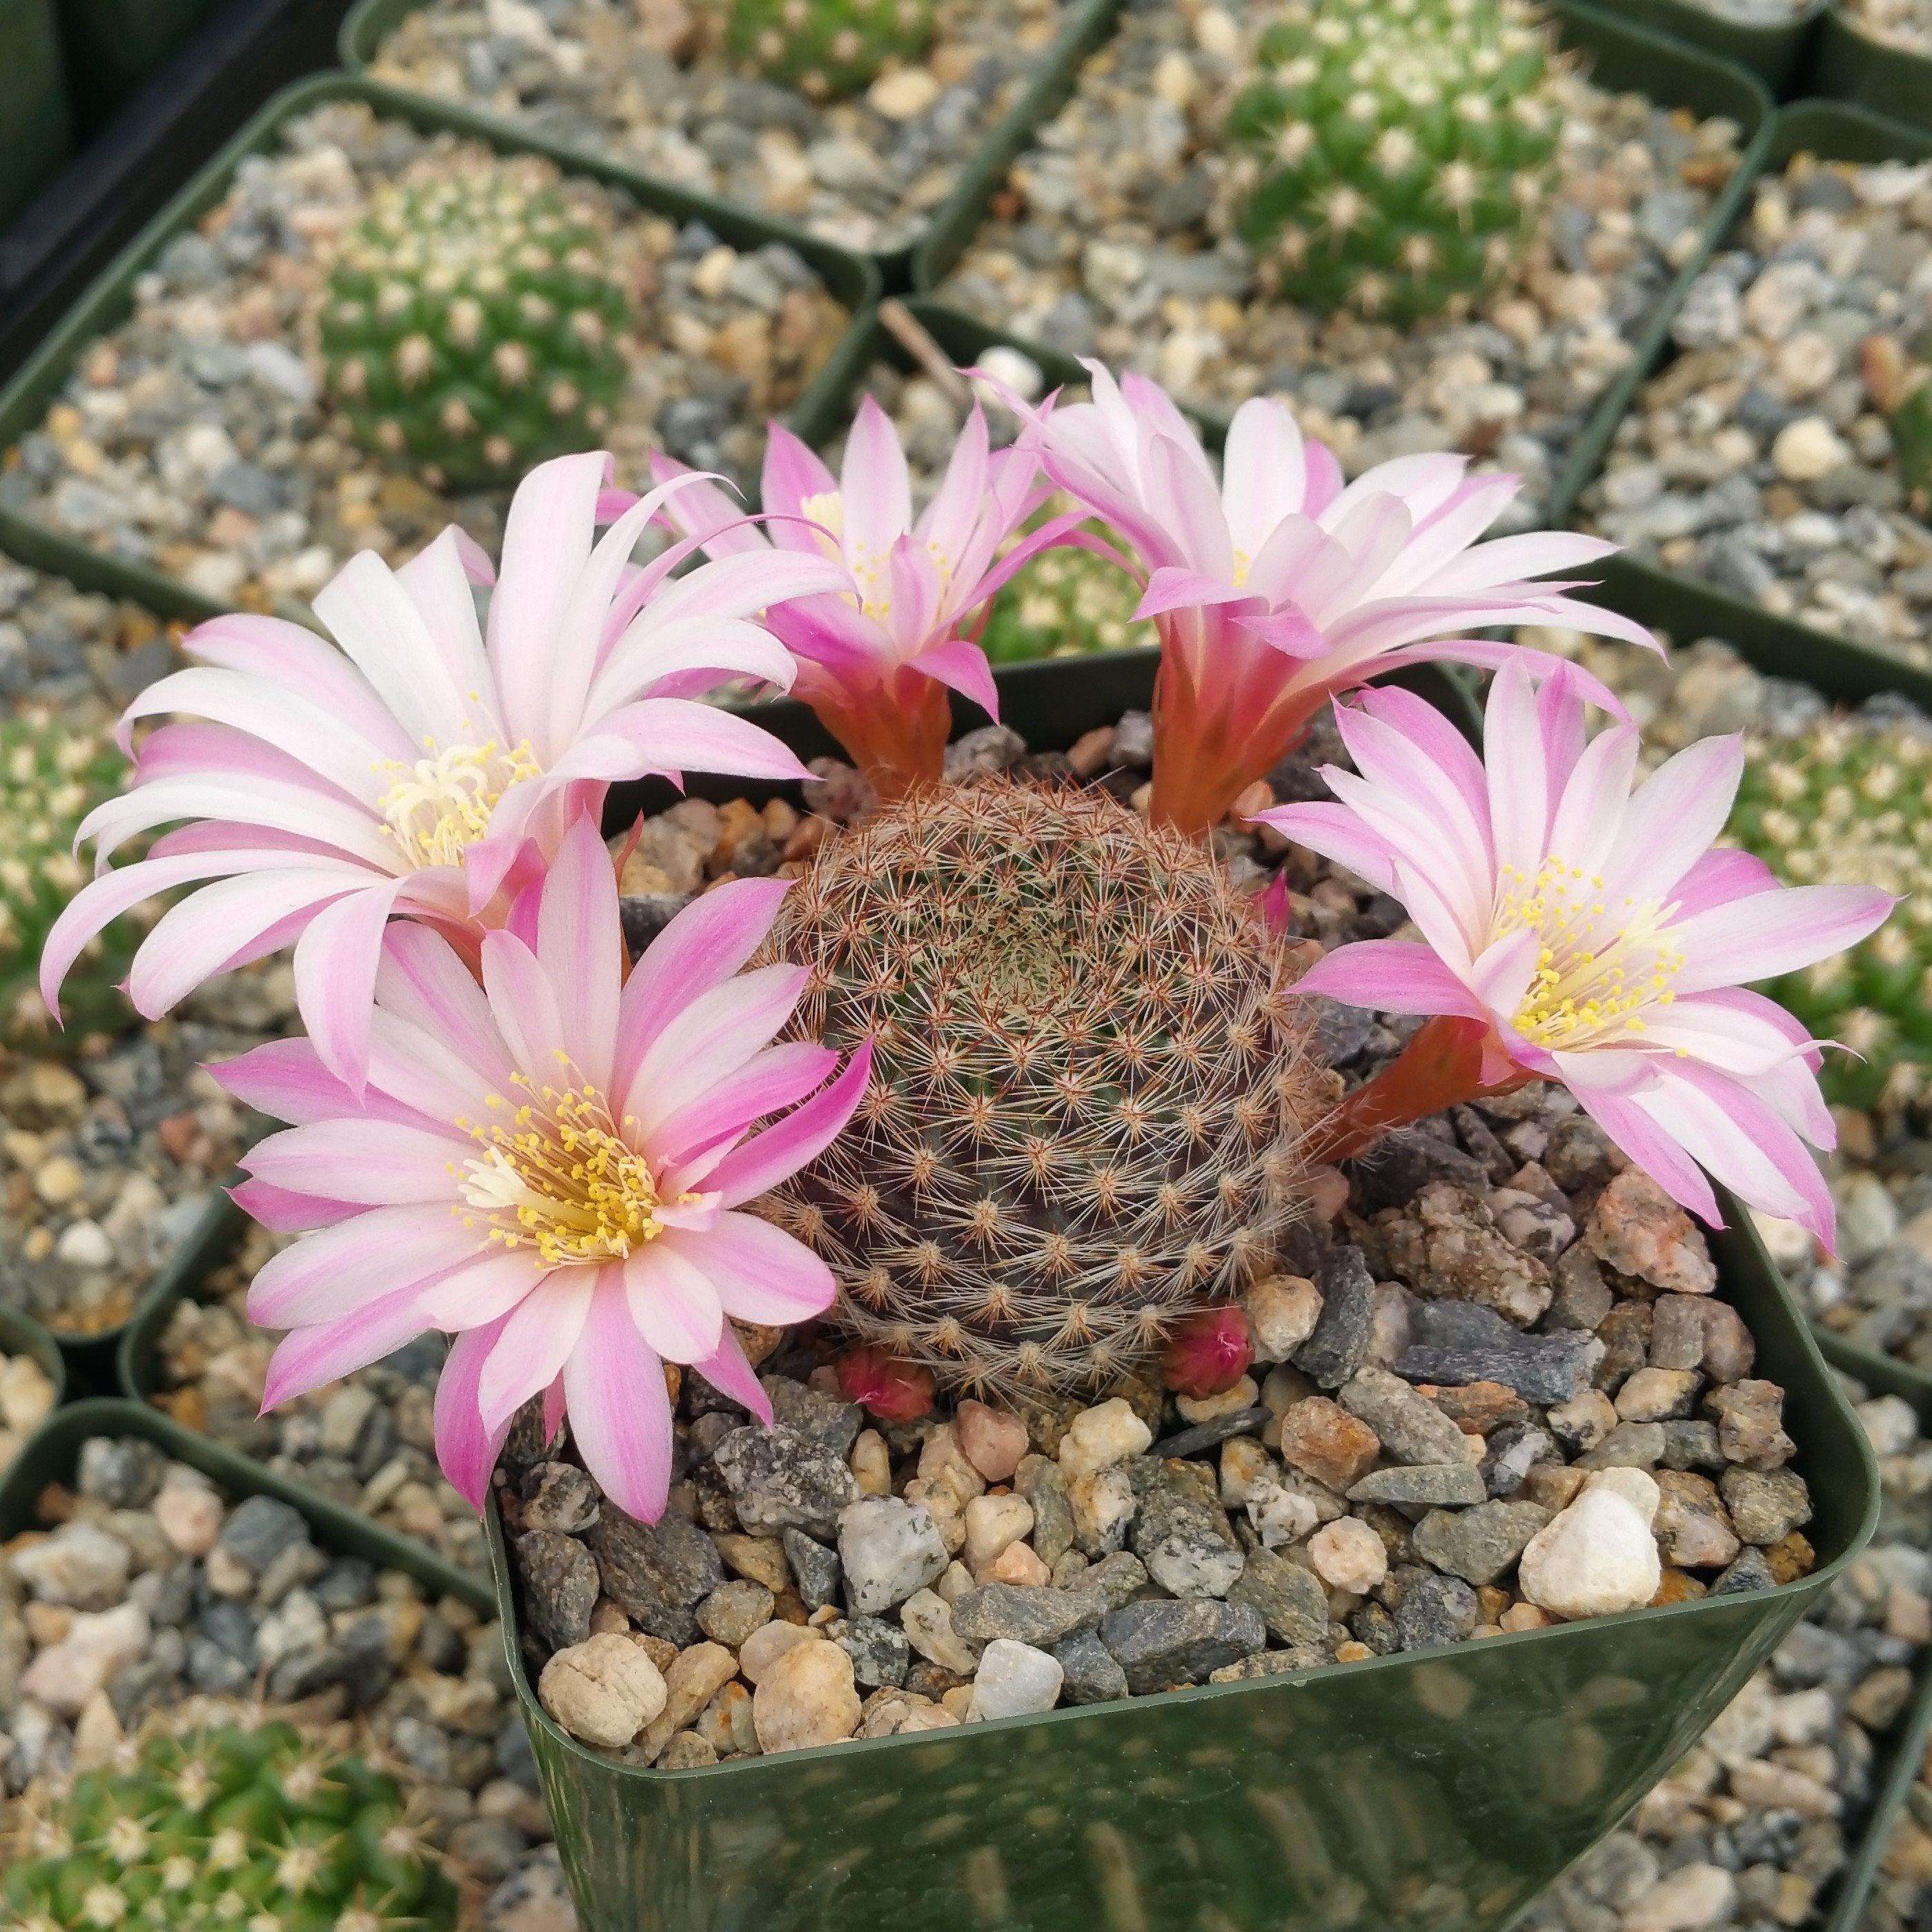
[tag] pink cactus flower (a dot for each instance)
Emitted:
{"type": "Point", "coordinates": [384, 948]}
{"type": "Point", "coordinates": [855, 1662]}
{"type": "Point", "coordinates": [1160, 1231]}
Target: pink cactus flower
{"type": "Point", "coordinates": [552, 1167]}
{"type": "Point", "coordinates": [1279, 586]}
{"type": "Point", "coordinates": [1578, 930]}
{"type": "Point", "coordinates": [415, 768]}
{"type": "Point", "coordinates": [876, 659]}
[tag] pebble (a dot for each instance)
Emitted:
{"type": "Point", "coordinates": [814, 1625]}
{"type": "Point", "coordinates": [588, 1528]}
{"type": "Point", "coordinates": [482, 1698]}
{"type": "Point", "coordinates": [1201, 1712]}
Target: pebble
{"type": "Point", "coordinates": [603, 1690]}
{"type": "Point", "coordinates": [1594, 1558]}
{"type": "Point", "coordinates": [889, 1549]}
{"type": "Point", "coordinates": [26, 1400]}
{"type": "Point", "coordinates": [807, 1698]}
{"type": "Point", "coordinates": [1015, 1680]}
{"type": "Point", "coordinates": [1100, 1437]}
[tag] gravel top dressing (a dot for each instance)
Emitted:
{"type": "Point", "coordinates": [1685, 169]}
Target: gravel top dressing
{"type": "Point", "coordinates": [1898, 23]}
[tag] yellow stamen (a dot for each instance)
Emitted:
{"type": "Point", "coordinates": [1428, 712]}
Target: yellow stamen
{"type": "Point", "coordinates": [442, 803]}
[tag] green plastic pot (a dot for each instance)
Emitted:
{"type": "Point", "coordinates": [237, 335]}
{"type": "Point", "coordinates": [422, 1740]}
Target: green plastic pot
{"type": "Point", "coordinates": [24, 402]}
{"type": "Point", "coordinates": [1622, 57]}
{"type": "Point", "coordinates": [1435, 1791]}
{"type": "Point", "coordinates": [36, 130]}
{"type": "Point", "coordinates": [113, 46]}
{"type": "Point", "coordinates": [1779, 53]}
{"type": "Point", "coordinates": [53, 1452]}
{"type": "Point", "coordinates": [1088, 22]}
{"type": "Point", "coordinates": [1851, 65]}
{"type": "Point", "coordinates": [1780, 647]}
{"type": "Point", "coordinates": [20, 1335]}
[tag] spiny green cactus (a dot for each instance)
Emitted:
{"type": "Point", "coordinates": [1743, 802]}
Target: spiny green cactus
{"type": "Point", "coordinates": [230, 1830]}
{"type": "Point", "coordinates": [1088, 1089]}
{"type": "Point", "coordinates": [471, 325]}
{"type": "Point", "coordinates": [1064, 602]}
{"type": "Point", "coordinates": [51, 777]}
{"type": "Point", "coordinates": [827, 48]}
{"type": "Point", "coordinates": [1847, 803]}
{"type": "Point", "coordinates": [1394, 155]}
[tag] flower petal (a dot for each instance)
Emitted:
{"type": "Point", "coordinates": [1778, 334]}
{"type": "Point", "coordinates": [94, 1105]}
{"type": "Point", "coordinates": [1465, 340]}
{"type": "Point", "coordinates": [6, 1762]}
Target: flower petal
{"type": "Point", "coordinates": [613, 1388]}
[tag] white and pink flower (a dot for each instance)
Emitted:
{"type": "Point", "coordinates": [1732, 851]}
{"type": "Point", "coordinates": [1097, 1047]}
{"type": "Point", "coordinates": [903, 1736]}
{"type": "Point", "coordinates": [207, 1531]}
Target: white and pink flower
{"type": "Point", "coordinates": [415, 766]}
{"type": "Point", "coordinates": [552, 1167]}
{"type": "Point", "coordinates": [1279, 585]}
{"type": "Point", "coordinates": [877, 657]}
{"type": "Point", "coordinates": [1576, 929]}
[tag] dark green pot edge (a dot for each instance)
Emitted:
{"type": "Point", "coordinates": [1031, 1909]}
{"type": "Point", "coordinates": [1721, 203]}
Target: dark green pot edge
{"type": "Point", "coordinates": [1779, 53]}
{"type": "Point", "coordinates": [1852, 66]}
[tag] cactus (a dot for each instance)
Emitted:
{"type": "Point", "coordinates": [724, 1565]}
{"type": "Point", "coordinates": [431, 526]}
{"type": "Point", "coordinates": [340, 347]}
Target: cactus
{"type": "Point", "coordinates": [1912, 438]}
{"type": "Point", "coordinates": [471, 325]}
{"type": "Point", "coordinates": [1064, 603]}
{"type": "Point", "coordinates": [1847, 803]}
{"type": "Point", "coordinates": [1394, 155]}
{"type": "Point", "coordinates": [1089, 1086]}
{"type": "Point", "coordinates": [827, 48]}
{"type": "Point", "coordinates": [228, 1830]}
{"type": "Point", "coordinates": [51, 777]}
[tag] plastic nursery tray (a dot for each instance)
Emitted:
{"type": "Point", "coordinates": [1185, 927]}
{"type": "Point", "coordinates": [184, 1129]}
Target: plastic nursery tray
{"type": "Point", "coordinates": [20, 1335]}
{"type": "Point", "coordinates": [1087, 23]}
{"type": "Point", "coordinates": [1780, 52]}
{"type": "Point", "coordinates": [1623, 58]}
{"type": "Point", "coordinates": [1429, 1792]}
{"type": "Point", "coordinates": [37, 133]}
{"type": "Point", "coordinates": [24, 402]}
{"type": "Point", "coordinates": [1903, 1750]}
{"type": "Point", "coordinates": [1781, 646]}
{"type": "Point", "coordinates": [53, 1451]}
{"type": "Point", "coordinates": [1852, 65]}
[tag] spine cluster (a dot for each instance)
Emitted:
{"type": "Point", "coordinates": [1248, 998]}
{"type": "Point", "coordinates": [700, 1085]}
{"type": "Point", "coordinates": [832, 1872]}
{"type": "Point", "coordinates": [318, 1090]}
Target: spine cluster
{"type": "Point", "coordinates": [1394, 155]}
{"type": "Point", "coordinates": [1088, 1091]}
{"type": "Point", "coordinates": [828, 48]}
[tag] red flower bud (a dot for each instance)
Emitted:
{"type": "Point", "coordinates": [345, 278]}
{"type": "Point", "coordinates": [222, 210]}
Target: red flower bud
{"type": "Point", "coordinates": [892, 1390]}
{"type": "Point", "coordinates": [1208, 1353]}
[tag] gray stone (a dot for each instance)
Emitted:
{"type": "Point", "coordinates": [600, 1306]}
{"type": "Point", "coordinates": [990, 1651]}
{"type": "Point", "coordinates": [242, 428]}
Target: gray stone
{"type": "Point", "coordinates": [782, 1480]}
{"type": "Point", "coordinates": [1181, 1533]}
{"type": "Point", "coordinates": [1039, 1615]}
{"type": "Point", "coordinates": [1766, 1504]}
{"type": "Point", "coordinates": [1339, 1344]}
{"type": "Point", "coordinates": [656, 1574]}
{"type": "Point", "coordinates": [734, 1610]}
{"type": "Point", "coordinates": [1039, 1480]}
{"type": "Point", "coordinates": [1119, 1576]}
{"type": "Point", "coordinates": [1092, 1674]}
{"type": "Point", "coordinates": [1457, 1341]}
{"type": "Point", "coordinates": [890, 1548]}
{"type": "Point", "coordinates": [258, 1530]}
{"type": "Point", "coordinates": [1291, 1599]}
{"type": "Point", "coordinates": [559, 1496]}
{"type": "Point", "coordinates": [817, 1572]}
{"type": "Point", "coordinates": [122, 1472]}
{"type": "Point", "coordinates": [879, 1651]}
{"type": "Point", "coordinates": [1412, 1429]}
{"type": "Point", "coordinates": [1751, 1571]}
{"type": "Point", "coordinates": [1211, 1434]}
{"type": "Point", "coordinates": [1478, 1543]}
{"type": "Point", "coordinates": [560, 1586]}
{"type": "Point", "coordinates": [832, 1423]}
{"type": "Point", "coordinates": [1433, 1610]}
{"type": "Point", "coordinates": [1180, 1640]}
{"type": "Point", "coordinates": [1438, 1484]}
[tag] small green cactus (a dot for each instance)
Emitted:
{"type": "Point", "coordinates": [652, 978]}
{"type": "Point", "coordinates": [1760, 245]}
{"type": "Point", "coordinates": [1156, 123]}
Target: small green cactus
{"type": "Point", "coordinates": [51, 777]}
{"type": "Point", "coordinates": [827, 48]}
{"type": "Point", "coordinates": [1847, 804]}
{"type": "Point", "coordinates": [1394, 155]}
{"type": "Point", "coordinates": [472, 326]}
{"type": "Point", "coordinates": [1063, 603]}
{"type": "Point", "coordinates": [1088, 1088]}
{"type": "Point", "coordinates": [228, 1830]}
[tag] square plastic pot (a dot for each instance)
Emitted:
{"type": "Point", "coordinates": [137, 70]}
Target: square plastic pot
{"type": "Point", "coordinates": [113, 46]}
{"type": "Point", "coordinates": [36, 129]}
{"type": "Point", "coordinates": [1850, 65]}
{"type": "Point", "coordinates": [1433, 1792]}
{"type": "Point", "coordinates": [24, 402]}
{"type": "Point", "coordinates": [1622, 57]}
{"type": "Point", "coordinates": [1779, 52]}
{"type": "Point", "coordinates": [1781, 646]}
{"type": "Point", "coordinates": [1088, 22]}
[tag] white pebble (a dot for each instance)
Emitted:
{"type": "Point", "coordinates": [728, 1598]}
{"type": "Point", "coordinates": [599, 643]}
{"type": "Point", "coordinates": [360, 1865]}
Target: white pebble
{"type": "Point", "coordinates": [1347, 1554]}
{"type": "Point", "coordinates": [1014, 1680]}
{"type": "Point", "coordinates": [1096, 1438]}
{"type": "Point", "coordinates": [1595, 1557]}
{"type": "Point", "coordinates": [605, 1689]}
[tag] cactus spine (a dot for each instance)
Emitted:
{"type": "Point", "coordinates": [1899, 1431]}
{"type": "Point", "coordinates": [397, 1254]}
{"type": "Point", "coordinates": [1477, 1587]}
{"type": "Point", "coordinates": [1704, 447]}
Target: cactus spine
{"type": "Point", "coordinates": [827, 48]}
{"type": "Point", "coordinates": [228, 1830]}
{"type": "Point", "coordinates": [1394, 155]}
{"type": "Point", "coordinates": [1847, 803]}
{"type": "Point", "coordinates": [1088, 1090]}
{"type": "Point", "coordinates": [471, 325]}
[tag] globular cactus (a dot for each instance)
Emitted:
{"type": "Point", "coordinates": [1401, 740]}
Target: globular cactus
{"type": "Point", "coordinates": [51, 777]}
{"type": "Point", "coordinates": [1847, 803]}
{"type": "Point", "coordinates": [472, 326]}
{"type": "Point", "coordinates": [1393, 155]}
{"type": "Point", "coordinates": [827, 48]}
{"type": "Point", "coordinates": [1089, 1088]}
{"type": "Point", "coordinates": [228, 1830]}
{"type": "Point", "coordinates": [1064, 603]}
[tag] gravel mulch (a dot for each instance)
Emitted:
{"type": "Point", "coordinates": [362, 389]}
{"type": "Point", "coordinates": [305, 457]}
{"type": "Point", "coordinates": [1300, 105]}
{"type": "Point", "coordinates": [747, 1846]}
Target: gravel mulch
{"type": "Point", "coordinates": [1897, 23]}
{"type": "Point", "coordinates": [1111, 239]}
{"type": "Point", "coordinates": [1501, 1348]}
{"type": "Point", "coordinates": [194, 437]}
{"type": "Point", "coordinates": [1759, 462]}
{"type": "Point", "coordinates": [148, 1587]}
{"type": "Point", "coordinates": [637, 82]}
{"type": "Point", "coordinates": [26, 1401]}
{"type": "Point", "coordinates": [1767, 1806]}
{"type": "Point", "coordinates": [367, 1441]}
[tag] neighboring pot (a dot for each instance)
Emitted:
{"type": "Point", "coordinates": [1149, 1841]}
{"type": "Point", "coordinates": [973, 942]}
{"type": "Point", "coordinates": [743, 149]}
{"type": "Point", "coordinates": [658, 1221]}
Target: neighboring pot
{"type": "Point", "coordinates": [36, 133]}
{"type": "Point", "coordinates": [1434, 1792]}
{"type": "Point", "coordinates": [19, 1335]}
{"type": "Point", "coordinates": [1850, 65]}
{"type": "Point", "coordinates": [1780, 52]}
